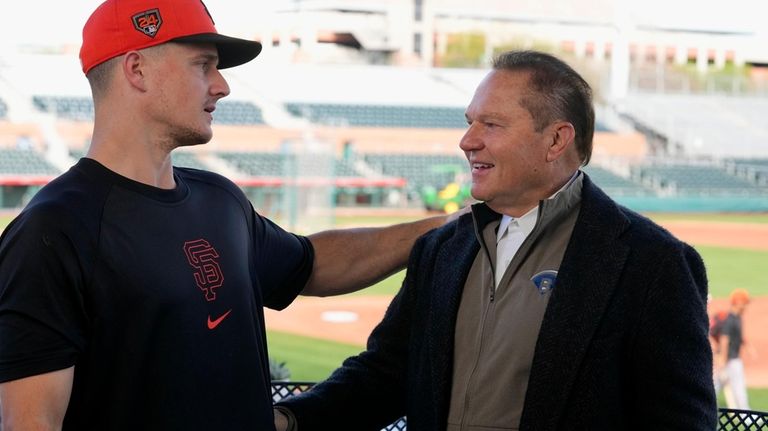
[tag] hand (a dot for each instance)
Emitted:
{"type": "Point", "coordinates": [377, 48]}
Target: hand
{"type": "Point", "coordinates": [281, 420]}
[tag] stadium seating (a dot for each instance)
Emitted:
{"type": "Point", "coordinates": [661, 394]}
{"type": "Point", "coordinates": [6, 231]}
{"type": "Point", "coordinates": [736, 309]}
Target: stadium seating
{"type": "Point", "coordinates": [187, 160]}
{"type": "Point", "coordinates": [419, 170]}
{"type": "Point", "coordinates": [237, 112]}
{"type": "Point", "coordinates": [255, 164]}
{"type": "Point", "coordinates": [695, 179]}
{"type": "Point", "coordinates": [24, 162]}
{"type": "Point", "coordinates": [281, 165]}
{"type": "Point", "coordinates": [756, 168]}
{"type": "Point", "coordinates": [81, 109]}
{"type": "Point", "coordinates": [67, 107]}
{"type": "Point", "coordinates": [702, 125]}
{"type": "Point", "coordinates": [615, 185]}
{"type": "Point", "coordinates": [428, 117]}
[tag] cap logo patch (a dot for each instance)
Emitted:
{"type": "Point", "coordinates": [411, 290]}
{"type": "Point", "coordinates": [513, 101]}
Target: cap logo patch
{"type": "Point", "coordinates": [148, 22]}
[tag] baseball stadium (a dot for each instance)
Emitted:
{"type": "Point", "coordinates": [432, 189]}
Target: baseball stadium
{"type": "Point", "coordinates": [352, 114]}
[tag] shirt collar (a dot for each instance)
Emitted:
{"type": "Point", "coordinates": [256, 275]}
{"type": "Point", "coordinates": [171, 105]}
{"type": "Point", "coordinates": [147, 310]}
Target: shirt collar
{"type": "Point", "coordinates": [527, 221]}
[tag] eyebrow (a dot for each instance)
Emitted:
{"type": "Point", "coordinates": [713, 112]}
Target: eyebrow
{"type": "Point", "coordinates": [207, 56]}
{"type": "Point", "coordinates": [486, 116]}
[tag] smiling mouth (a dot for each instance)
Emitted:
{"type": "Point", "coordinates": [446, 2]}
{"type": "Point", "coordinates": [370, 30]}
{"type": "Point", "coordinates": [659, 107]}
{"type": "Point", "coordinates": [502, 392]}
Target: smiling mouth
{"type": "Point", "coordinates": [479, 167]}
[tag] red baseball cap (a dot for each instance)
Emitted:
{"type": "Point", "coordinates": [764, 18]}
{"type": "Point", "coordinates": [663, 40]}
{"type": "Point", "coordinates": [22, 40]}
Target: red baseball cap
{"type": "Point", "coordinates": [119, 26]}
{"type": "Point", "coordinates": [740, 296]}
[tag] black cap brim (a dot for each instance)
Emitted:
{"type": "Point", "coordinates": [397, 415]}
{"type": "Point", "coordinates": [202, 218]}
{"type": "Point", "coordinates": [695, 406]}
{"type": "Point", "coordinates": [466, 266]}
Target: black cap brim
{"type": "Point", "coordinates": [232, 51]}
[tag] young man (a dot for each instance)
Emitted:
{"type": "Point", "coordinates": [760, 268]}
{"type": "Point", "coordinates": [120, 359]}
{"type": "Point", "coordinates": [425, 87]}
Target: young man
{"type": "Point", "coordinates": [131, 292]}
{"type": "Point", "coordinates": [550, 307]}
{"type": "Point", "coordinates": [728, 364]}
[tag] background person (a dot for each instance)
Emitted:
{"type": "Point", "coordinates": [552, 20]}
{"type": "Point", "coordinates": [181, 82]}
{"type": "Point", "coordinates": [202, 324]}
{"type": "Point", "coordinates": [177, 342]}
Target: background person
{"type": "Point", "coordinates": [729, 368]}
{"type": "Point", "coordinates": [549, 307]}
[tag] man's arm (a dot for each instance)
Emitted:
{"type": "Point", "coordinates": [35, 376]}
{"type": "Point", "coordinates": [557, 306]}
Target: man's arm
{"type": "Point", "coordinates": [36, 403]}
{"type": "Point", "coordinates": [351, 259]}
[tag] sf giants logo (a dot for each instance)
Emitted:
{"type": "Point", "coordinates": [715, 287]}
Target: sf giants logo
{"type": "Point", "coordinates": [148, 22]}
{"type": "Point", "coordinates": [204, 258]}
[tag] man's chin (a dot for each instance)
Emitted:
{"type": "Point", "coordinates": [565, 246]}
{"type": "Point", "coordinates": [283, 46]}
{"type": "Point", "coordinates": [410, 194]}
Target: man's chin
{"type": "Point", "coordinates": [191, 139]}
{"type": "Point", "coordinates": [478, 195]}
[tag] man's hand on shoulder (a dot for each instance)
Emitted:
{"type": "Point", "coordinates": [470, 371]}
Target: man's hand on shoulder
{"type": "Point", "coordinates": [284, 420]}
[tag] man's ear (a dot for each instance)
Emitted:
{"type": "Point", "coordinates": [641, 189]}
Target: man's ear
{"type": "Point", "coordinates": [563, 135]}
{"type": "Point", "coordinates": [133, 67]}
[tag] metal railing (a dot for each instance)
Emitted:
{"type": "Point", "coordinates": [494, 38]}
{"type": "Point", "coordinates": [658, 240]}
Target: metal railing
{"type": "Point", "coordinates": [282, 390]}
{"type": "Point", "coordinates": [728, 419]}
{"type": "Point", "coordinates": [738, 420]}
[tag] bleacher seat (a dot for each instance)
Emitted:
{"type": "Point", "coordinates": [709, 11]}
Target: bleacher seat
{"type": "Point", "coordinates": [756, 168]}
{"type": "Point", "coordinates": [615, 185]}
{"type": "Point", "coordinates": [697, 179]}
{"type": "Point", "coordinates": [419, 170]}
{"type": "Point", "coordinates": [428, 117]}
{"type": "Point", "coordinates": [255, 164]}
{"type": "Point", "coordinates": [282, 165]}
{"type": "Point", "coordinates": [237, 112]}
{"type": "Point", "coordinates": [24, 162]}
{"type": "Point", "coordinates": [81, 109]}
{"type": "Point", "coordinates": [187, 160]}
{"type": "Point", "coordinates": [68, 107]}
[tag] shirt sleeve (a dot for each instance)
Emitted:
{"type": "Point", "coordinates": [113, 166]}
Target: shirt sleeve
{"type": "Point", "coordinates": [283, 262]}
{"type": "Point", "coordinates": [42, 312]}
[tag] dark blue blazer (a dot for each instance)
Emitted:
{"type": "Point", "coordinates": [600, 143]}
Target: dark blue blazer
{"type": "Point", "coordinates": [623, 344]}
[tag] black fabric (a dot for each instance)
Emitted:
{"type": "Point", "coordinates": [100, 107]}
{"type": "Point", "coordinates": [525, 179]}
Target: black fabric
{"type": "Point", "coordinates": [623, 344]}
{"type": "Point", "coordinates": [123, 281]}
{"type": "Point", "coordinates": [732, 330]}
{"type": "Point", "coordinates": [232, 51]}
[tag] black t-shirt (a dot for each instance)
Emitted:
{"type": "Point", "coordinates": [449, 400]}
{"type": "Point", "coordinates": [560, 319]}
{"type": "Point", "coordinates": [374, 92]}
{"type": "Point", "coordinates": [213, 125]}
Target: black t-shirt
{"type": "Point", "coordinates": [155, 296]}
{"type": "Point", "coordinates": [732, 329]}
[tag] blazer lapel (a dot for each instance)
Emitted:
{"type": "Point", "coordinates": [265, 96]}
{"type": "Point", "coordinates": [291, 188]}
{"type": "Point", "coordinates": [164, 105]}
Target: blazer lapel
{"type": "Point", "coordinates": [587, 277]}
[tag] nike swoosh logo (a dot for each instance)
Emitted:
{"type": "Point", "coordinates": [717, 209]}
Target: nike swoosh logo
{"type": "Point", "coordinates": [212, 324]}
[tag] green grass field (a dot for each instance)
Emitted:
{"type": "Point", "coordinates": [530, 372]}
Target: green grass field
{"type": "Point", "coordinates": [759, 218]}
{"type": "Point", "coordinates": [309, 359]}
{"type": "Point", "coordinates": [4, 220]}
{"type": "Point", "coordinates": [729, 268]}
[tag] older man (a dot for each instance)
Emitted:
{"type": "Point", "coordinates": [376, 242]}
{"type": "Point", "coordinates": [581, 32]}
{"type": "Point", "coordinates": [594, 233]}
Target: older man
{"type": "Point", "coordinates": [550, 307]}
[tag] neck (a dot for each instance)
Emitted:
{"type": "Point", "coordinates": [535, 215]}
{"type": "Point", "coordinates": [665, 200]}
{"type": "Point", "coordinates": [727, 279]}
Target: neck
{"type": "Point", "coordinates": [133, 152]}
{"type": "Point", "coordinates": [149, 166]}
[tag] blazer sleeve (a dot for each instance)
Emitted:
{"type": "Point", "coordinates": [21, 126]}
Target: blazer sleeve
{"type": "Point", "coordinates": [368, 391]}
{"type": "Point", "coordinates": [673, 357]}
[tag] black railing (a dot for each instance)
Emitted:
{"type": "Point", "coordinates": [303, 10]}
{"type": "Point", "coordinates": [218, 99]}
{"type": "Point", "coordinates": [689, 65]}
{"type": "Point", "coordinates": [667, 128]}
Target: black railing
{"type": "Point", "coordinates": [746, 420]}
{"type": "Point", "coordinates": [728, 419]}
{"type": "Point", "coordinates": [282, 390]}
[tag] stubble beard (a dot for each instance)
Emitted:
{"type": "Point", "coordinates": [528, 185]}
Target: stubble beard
{"type": "Point", "coordinates": [188, 137]}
